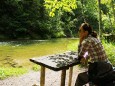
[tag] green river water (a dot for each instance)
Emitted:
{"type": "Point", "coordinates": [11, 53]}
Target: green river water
{"type": "Point", "coordinates": [18, 53]}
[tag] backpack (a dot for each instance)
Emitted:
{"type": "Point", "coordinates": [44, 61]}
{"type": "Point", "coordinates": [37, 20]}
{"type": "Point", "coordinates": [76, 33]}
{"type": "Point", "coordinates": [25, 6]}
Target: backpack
{"type": "Point", "coordinates": [101, 73]}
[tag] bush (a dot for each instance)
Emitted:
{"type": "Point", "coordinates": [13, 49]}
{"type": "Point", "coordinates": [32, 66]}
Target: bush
{"type": "Point", "coordinates": [110, 50]}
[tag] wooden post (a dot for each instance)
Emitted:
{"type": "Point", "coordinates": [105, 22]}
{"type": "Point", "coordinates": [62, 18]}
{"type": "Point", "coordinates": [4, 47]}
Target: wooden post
{"type": "Point", "coordinates": [42, 76]}
{"type": "Point", "coordinates": [63, 77]}
{"type": "Point", "coordinates": [70, 75]}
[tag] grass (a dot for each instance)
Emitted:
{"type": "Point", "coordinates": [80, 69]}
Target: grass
{"type": "Point", "coordinates": [110, 50]}
{"type": "Point", "coordinates": [8, 72]}
{"type": "Point", "coordinates": [36, 67]}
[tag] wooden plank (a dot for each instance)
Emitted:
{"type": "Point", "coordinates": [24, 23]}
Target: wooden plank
{"type": "Point", "coordinates": [70, 75]}
{"type": "Point", "coordinates": [42, 76]}
{"type": "Point", "coordinates": [63, 77]}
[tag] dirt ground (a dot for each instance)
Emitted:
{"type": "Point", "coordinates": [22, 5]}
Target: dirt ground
{"type": "Point", "coordinates": [32, 78]}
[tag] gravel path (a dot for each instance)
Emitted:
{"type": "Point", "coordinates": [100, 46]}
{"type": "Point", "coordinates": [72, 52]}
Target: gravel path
{"type": "Point", "coordinates": [33, 78]}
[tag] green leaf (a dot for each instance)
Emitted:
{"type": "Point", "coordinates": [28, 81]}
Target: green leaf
{"type": "Point", "coordinates": [64, 5]}
{"type": "Point", "coordinates": [105, 1]}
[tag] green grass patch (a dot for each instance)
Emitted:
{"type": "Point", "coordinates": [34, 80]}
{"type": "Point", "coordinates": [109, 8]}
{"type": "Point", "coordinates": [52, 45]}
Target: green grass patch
{"type": "Point", "coordinates": [110, 50]}
{"type": "Point", "coordinates": [36, 67]}
{"type": "Point", "coordinates": [8, 72]}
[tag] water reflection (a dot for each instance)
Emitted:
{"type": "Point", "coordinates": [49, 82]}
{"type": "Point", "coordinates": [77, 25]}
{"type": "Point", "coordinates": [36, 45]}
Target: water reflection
{"type": "Point", "coordinates": [22, 42]}
{"type": "Point", "coordinates": [27, 42]}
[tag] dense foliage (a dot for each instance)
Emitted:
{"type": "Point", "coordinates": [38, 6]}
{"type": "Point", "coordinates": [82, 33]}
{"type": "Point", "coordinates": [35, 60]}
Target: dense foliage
{"type": "Point", "coordinates": [44, 19]}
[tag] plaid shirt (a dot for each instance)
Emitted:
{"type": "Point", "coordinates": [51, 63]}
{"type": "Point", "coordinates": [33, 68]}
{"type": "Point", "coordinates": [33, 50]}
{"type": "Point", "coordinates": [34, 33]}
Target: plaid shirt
{"type": "Point", "coordinates": [93, 48]}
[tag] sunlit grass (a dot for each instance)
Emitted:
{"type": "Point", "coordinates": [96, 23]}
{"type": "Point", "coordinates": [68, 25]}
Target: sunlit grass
{"type": "Point", "coordinates": [36, 67]}
{"type": "Point", "coordinates": [7, 72]}
{"type": "Point", "coordinates": [110, 50]}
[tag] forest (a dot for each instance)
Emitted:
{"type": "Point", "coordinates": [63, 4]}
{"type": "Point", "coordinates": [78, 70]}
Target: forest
{"type": "Point", "coordinates": [30, 28]}
{"type": "Point", "coordinates": [46, 19]}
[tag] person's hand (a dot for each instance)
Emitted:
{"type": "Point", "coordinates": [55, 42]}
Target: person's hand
{"type": "Point", "coordinates": [81, 38]}
{"type": "Point", "coordinates": [83, 61]}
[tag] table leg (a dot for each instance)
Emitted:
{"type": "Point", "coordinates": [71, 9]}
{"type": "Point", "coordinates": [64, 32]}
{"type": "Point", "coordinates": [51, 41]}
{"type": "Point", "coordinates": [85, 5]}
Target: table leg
{"type": "Point", "coordinates": [70, 75]}
{"type": "Point", "coordinates": [42, 76]}
{"type": "Point", "coordinates": [63, 77]}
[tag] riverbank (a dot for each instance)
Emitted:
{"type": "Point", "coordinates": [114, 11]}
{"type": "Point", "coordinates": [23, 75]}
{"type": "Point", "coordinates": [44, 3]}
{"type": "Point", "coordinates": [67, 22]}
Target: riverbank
{"type": "Point", "coordinates": [32, 78]}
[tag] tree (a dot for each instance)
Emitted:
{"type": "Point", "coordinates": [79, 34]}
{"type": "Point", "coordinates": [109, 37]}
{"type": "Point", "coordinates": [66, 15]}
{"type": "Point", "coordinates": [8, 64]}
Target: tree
{"type": "Point", "coordinates": [108, 15]}
{"type": "Point", "coordinates": [112, 5]}
{"type": "Point", "coordinates": [54, 6]}
{"type": "Point", "coordinates": [100, 22]}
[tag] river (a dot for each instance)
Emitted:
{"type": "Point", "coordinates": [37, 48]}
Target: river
{"type": "Point", "coordinates": [17, 53]}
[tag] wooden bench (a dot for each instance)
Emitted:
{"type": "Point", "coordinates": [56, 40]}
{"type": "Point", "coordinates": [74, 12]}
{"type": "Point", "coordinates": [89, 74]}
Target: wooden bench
{"type": "Point", "coordinates": [58, 62]}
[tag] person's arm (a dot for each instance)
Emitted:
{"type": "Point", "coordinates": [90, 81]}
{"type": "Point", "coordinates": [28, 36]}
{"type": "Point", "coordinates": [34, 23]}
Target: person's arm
{"type": "Point", "coordinates": [83, 48]}
{"type": "Point", "coordinates": [81, 39]}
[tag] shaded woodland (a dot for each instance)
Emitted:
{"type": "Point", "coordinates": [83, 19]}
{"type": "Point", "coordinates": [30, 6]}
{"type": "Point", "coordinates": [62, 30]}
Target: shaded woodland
{"type": "Point", "coordinates": [46, 19]}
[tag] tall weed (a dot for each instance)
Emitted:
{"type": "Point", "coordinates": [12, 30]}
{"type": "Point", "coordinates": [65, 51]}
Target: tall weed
{"type": "Point", "coordinates": [110, 50]}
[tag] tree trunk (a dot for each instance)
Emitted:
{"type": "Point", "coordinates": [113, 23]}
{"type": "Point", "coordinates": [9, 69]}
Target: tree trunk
{"type": "Point", "coordinates": [112, 5]}
{"type": "Point", "coordinates": [82, 1]}
{"type": "Point", "coordinates": [100, 22]}
{"type": "Point", "coordinates": [110, 23]}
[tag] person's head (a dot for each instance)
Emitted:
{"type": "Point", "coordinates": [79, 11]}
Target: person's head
{"type": "Point", "coordinates": [86, 29]}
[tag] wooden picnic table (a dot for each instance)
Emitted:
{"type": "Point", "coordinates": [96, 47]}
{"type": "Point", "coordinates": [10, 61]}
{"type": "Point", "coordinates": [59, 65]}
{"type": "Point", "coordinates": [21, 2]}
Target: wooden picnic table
{"type": "Point", "coordinates": [57, 62]}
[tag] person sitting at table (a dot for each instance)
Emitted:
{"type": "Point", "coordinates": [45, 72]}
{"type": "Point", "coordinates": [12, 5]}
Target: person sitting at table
{"type": "Point", "coordinates": [90, 47]}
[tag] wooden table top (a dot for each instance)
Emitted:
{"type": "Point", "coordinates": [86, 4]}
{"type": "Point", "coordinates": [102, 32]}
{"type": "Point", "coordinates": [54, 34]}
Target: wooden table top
{"type": "Point", "coordinates": [58, 61]}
